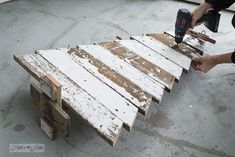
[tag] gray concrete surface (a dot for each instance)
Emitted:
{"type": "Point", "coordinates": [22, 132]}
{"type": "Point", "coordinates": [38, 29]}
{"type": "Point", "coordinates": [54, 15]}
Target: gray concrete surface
{"type": "Point", "coordinates": [196, 119]}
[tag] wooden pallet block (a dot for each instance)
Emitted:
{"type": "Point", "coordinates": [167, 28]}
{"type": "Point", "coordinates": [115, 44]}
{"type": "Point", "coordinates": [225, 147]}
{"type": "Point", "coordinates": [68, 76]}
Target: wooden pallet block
{"type": "Point", "coordinates": [50, 110]}
{"type": "Point", "coordinates": [120, 84]}
{"type": "Point", "coordinates": [182, 48]}
{"type": "Point", "coordinates": [153, 57]}
{"type": "Point", "coordinates": [165, 51]}
{"type": "Point", "coordinates": [118, 105]}
{"type": "Point", "coordinates": [140, 63]}
{"type": "Point", "coordinates": [146, 83]}
{"type": "Point", "coordinates": [80, 102]}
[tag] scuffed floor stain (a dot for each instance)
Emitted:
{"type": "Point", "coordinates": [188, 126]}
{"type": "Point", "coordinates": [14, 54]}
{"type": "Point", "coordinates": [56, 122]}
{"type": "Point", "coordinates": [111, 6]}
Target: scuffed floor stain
{"type": "Point", "coordinates": [19, 128]}
{"type": "Point", "coordinates": [160, 120]}
{"type": "Point", "coordinates": [220, 109]}
{"type": "Point", "coordinates": [180, 143]}
{"type": "Point", "coordinates": [6, 125]}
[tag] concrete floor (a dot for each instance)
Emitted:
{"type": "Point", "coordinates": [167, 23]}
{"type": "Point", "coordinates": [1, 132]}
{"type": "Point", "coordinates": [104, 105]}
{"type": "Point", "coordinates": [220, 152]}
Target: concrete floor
{"type": "Point", "coordinates": [196, 119]}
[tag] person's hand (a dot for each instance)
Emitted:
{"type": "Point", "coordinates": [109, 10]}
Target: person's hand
{"type": "Point", "coordinates": [204, 63]}
{"type": "Point", "coordinates": [198, 12]}
{"type": "Point", "coordinates": [196, 15]}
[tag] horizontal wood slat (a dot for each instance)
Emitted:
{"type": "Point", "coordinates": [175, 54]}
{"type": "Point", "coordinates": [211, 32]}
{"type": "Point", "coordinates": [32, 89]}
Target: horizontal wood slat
{"type": "Point", "coordinates": [140, 63]}
{"type": "Point", "coordinates": [117, 64]}
{"type": "Point", "coordinates": [165, 51]}
{"type": "Point", "coordinates": [120, 84]}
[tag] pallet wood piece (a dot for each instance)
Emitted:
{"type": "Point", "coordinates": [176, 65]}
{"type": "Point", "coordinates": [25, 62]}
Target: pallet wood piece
{"type": "Point", "coordinates": [38, 98]}
{"type": "Point", "coordinates": [146, 83]}
{"type": "Point", "coordinates": [59, 118]}
{"type": "Point", "coordinates": [118, 105]}
{"type": "Point", "coordinates": [164, 50]}
{"type": "Point", "coordinates": [153, 57]}
{"type": "Point", "coordinates": [48, 128]}
{"type": "Point", "coordinates": [49, 109]}
{"type": "Point", "coordinates": [201, 36]}
{"type": "Point", "coordinates": [122, 85]}
{"type": "Point", "coordinates": [182, 48]}
{"type": "Point", "coordinates": [52, 88]}
{"type": "Point", "coordinates": [140, 63]}
{"type": "Point", "coordinates": [80, 102]}
{"type": "Point", "coordinates": [190, 40]}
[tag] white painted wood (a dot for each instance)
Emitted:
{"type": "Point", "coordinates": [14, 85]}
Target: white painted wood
{"type": "Point", "coordinates": [3, 1]}
{"type": "Point", "coordinates": [142, 80]}
{"type": "Point", "coordinates": [47, 129]}
{"type": "Point", "coordinates": [190, 40]}
{"type": "Point", "coordinates": [85, 106]}
{"type": "Point", "coordinates": [152, 57]}
{"type": "Point", "coordinates": [94, 70]}
{"type": "Point", "coordinates": [118, 105]}
{"type": "Point", "coordinates": [166, 51]}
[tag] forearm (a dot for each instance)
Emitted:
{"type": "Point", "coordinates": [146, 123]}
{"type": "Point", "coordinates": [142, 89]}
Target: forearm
{"type": "Point", "coordinates": [224, 58]}
{"type": "Point", "coordinates": [203, 7]}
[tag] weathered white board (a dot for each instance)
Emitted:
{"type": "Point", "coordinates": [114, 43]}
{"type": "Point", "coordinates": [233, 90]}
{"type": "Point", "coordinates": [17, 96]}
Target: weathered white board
{"type": "Point", "coordinates": [153, 57]}
{"type": "Point", "coordinates": [143, 103]}
{"type": "Point", "coordinates": [118, 105]}
{"type": "Point", "coordinates": [190, 40]}
{"type": "Point", "coordinates": [3, 1]}
{"type": "Point", "coordinates": [146, 83]}
{"type": "Point", "coordinates": [86, 107]}
{"type": "Point", "coordinates": [164, 50]}
{"type": "Point", "coordinates": [140, 63]}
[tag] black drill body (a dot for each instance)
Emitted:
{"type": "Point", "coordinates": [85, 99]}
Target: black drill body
{"type": "Point", "coordinates": [184, 19]}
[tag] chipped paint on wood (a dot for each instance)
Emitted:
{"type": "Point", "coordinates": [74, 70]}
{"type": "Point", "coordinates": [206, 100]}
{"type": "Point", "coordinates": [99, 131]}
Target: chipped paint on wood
{"type": "Point", "coordinates": [146, 83]}
{"type": "Point", "coordinates": [182, 48]}
{"type": "Point", "coordinates": [118, 105]}
{"type": "Point", "coordinates": [82, 104]}
{"type": "Point", "coordinates": [122, 85]}
{"type": "Point", "coordinates": [165, 51]}
{"type": "Point", "coordinates": [191, 41]}
{"type": "Point", "coordinates": [153, 71]}
{"type": "Point", "coordinates": [153, 57]}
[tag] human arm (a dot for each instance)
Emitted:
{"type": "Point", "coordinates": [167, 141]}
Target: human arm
{"type": "Point", "coordinates": [198, 12]}
{"type": "Point", "coordinates": [206, 63]}
{"type": "Point", "coordinates": [208, 4]}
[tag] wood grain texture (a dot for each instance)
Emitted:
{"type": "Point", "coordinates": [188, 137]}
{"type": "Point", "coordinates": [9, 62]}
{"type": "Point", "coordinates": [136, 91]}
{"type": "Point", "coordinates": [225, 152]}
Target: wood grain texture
{"type": "Point", "coordinates": [120, 84]}
{"type": "Point", "coordinates": [153, 57]}
{"type": "Point", "coordinates": [118, 105]}
{"type": "Point", "coordinates": [146, 83]}
{"type": "Point", "coordinates": [191, 41]}
{"type": "Point", "coordinates": [140, 63]}
{"type": "Point", "coordinates": [80, 102]}
{"type": "Point", "coordinates": [182, 48]}
{"type": "Point", "coordinates": [165, 51]}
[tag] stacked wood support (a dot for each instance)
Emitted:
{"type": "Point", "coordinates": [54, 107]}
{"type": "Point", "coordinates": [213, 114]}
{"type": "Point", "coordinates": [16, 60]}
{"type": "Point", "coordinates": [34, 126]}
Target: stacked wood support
{"type": "Point", "coordinates": [108, 83]}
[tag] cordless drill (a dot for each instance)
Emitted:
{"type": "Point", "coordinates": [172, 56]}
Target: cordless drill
{"type": "Point", "coordinates": [184, 18]}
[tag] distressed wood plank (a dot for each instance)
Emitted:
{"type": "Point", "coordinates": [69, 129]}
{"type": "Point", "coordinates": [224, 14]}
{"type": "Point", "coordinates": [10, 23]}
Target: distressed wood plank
{"type": "Point", "coordinates": [182, 48]}
{"type": "Point", "coordinates": [153, 57]}
{"type": "Point", "coordinates": [122, 85]}
{"type": "Point", "coordinates": [153, 71]}
{"type": "Point", "coordinates": [191, 41]}
{"type": "Point", "coordinates": [164, 50]}
{"type": "Point", "coordinates": [80, 102]}
{"type": "Point", "coordinates": [51, 88]}
{"type": "Point", "coordinates": [146, 83]}
{"type": "Point", "coordinates": [200, 36]}
{"type": "Point", "coordinates": [48, 128]}
{"type": "Point", "coordinates": [118, 105]}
